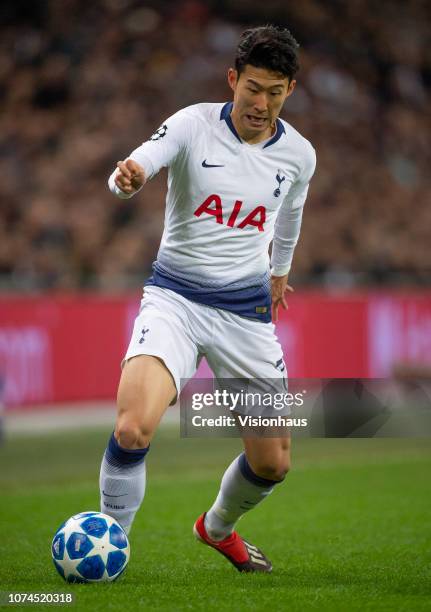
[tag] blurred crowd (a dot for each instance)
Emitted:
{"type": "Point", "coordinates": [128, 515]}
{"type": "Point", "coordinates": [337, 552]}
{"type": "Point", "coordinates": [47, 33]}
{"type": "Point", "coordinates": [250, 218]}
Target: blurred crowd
{"type": "Point", "coordinates": [82, 83]}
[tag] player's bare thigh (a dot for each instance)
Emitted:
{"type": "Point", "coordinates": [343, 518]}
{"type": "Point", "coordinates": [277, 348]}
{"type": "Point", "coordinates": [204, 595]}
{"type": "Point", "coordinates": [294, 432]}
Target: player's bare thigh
{"type": "Point", "coordinates": [268, 457]}
{"type": "Point", "coordinates": [145, 391]}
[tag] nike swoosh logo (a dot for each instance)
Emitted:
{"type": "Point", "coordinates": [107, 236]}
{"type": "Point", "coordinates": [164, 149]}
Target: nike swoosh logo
{"type": "Point", "coordinates": [106, 495]}
{"type": "Point", "coordinates": [205, 165]}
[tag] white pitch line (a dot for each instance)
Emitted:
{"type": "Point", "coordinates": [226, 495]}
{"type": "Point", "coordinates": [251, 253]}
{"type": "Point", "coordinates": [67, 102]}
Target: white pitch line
{"type": "Point", "coordinates": [42, 419]}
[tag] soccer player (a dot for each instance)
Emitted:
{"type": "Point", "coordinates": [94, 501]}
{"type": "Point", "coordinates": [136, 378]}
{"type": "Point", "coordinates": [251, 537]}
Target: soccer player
{"type": "Point", "coordinates": [238, 179]}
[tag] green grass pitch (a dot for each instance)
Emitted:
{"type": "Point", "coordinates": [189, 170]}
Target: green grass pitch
{"type": "Point", "coordinates": [350, 528]}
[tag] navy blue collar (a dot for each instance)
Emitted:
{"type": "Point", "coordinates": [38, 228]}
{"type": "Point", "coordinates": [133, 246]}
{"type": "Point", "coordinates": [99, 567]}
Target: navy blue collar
{"type": "Point", "coordinates": [225, 114]}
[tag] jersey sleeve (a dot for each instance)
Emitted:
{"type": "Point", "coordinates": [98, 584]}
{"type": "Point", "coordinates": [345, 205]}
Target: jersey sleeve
{"type": "Point", "coordinates": [161, 150]}
{"type": "Point", "coordinates": [288, 223]}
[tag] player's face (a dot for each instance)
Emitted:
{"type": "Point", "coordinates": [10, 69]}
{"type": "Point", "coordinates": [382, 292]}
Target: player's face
{"type": "Point", "coordinates": [259, 95]}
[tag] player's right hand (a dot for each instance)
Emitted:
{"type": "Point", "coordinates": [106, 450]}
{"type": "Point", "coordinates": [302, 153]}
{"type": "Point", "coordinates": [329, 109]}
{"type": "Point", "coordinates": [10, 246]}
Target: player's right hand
{"type": "Point", "coordinates": [130, 176]}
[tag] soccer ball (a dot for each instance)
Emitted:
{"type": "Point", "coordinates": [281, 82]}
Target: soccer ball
{"type": "Point", "coordinates": [90, 547]}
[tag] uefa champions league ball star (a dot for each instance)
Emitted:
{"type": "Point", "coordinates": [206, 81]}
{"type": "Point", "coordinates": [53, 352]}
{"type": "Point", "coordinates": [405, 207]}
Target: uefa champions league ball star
{"type": "Point", "coordinates": [90, 547]}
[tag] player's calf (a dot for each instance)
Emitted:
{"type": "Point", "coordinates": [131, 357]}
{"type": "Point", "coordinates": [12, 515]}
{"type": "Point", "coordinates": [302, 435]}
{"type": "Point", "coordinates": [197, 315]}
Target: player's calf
{"type": "Point", "coordinates": [122, 482]}
{"type": "Point", "coordinates": [145, 391]}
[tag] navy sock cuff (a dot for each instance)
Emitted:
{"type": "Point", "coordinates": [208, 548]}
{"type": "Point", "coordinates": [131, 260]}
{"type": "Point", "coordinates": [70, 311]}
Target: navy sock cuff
{"type": "Point", "coordinates": [249, 475]}
{"type": "Point", "coordinates": [119, 456]}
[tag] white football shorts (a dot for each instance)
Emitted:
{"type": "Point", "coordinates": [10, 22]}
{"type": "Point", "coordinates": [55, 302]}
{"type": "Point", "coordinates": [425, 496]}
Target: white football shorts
{"type": "Point", "coordinates": [180, 332]}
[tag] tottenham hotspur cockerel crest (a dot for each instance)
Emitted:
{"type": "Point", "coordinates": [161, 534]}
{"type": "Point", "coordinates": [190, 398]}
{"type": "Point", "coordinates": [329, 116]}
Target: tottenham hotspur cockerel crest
{"type": "Point", "coordinates": [279, 178]}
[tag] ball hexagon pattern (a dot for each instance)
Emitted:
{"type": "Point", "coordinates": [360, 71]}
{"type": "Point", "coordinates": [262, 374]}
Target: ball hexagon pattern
{"type": "Point", "coordinates": [90, 547]}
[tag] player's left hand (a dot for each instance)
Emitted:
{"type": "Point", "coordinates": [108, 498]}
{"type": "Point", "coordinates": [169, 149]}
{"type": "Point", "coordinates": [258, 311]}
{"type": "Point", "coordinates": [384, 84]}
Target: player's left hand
{"type": "Point", "coordinates": [279, 287]}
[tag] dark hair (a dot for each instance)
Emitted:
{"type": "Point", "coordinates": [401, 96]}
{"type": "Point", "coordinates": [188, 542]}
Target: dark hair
{"type": "Point", "coordinates": [268, 47]}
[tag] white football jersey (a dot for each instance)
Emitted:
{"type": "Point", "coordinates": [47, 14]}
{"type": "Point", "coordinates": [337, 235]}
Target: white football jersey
{"type": "Point", "coordinates": [226, 199]}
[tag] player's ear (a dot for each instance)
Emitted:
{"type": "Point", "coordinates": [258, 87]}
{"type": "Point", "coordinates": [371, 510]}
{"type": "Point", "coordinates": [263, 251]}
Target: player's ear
{"type": "Point", "coordinates": [232, 78]}
{"type": "Point", "coordinates": [291, 87]}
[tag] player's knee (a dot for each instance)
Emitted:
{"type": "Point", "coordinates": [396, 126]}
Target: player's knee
{"type": "Point", "coordinates": [131, 435]}
{"type": "Point", "coordinates": [273, 470]}
{"type": "Point", "coordinates": [284, 468]}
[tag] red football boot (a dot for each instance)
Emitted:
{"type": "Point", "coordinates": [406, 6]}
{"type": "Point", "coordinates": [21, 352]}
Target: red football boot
{"type": "Point", "coordinates": [243, 555]}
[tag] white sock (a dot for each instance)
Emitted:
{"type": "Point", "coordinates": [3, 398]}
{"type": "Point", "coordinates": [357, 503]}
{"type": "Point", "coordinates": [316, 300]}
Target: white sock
{"type": "Point", "coordinates": [240, 491]}
{"type": "Point", "coordinates": [122, 483]}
